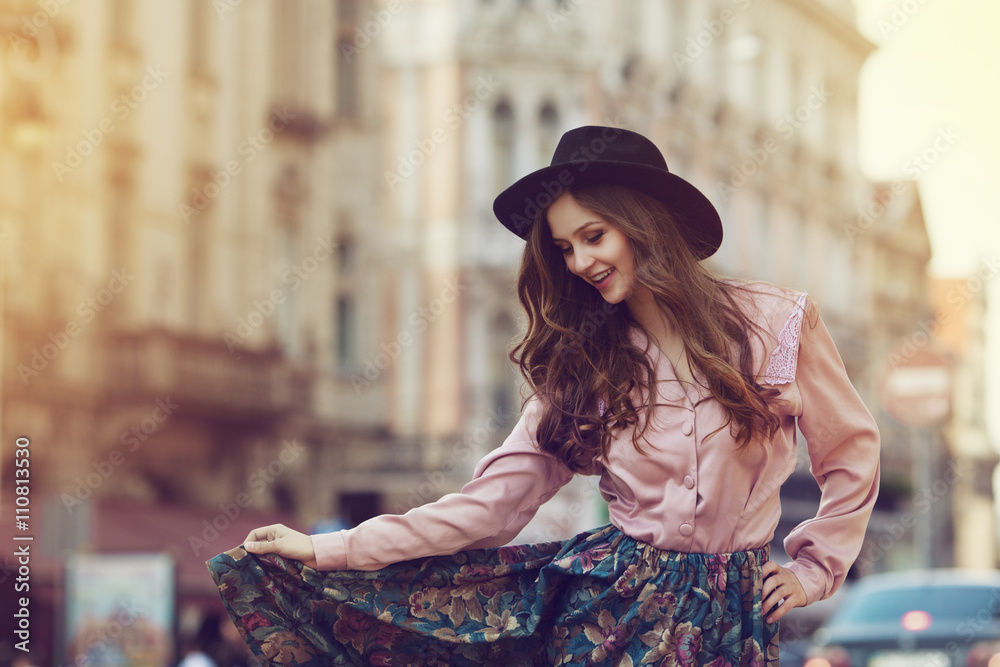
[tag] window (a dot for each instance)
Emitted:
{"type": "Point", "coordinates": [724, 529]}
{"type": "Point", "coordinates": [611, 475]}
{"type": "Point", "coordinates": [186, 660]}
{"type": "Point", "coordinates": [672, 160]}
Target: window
{"type": "Point", "coordinates": [291, 52]}
{"type": "Point", "coordinates": [767, 217]}
{"type": "Point", "coordinates": [347, 53]}
{"type": "Point", "coordinates": [678, 25]}
{"type": "Point", "coordinates": [284, 315]}
{"type": "Point", "coordinates": [503, 145]}
{"type": "Point", "coordinates": [120, 22]}
{"type": "Point", "coordinates": [346, 352]}
{"type": "Point", "coordinates": [289, 194]}
{"type": "Point", "coordinates": [199, 21]}
{"type": "Point", "coordinates": [548, 133]}
{"type": "Point", "coordinates": [199, 241]}
{"type": "Point", "coordinates": [347, 11]}
{"type": "Point", "coordinates": [347, 81]}
{"type": "Point", "coordinates": [743, 69]}
{"type": "Point", "coordinates": [346, 343]}
{"type": "Point", "coordinates": [345, 256]}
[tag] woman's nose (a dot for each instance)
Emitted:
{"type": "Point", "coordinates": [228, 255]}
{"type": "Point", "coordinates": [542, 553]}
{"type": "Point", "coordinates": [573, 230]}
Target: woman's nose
{"type": "Point", "coordinates": [582, 261]}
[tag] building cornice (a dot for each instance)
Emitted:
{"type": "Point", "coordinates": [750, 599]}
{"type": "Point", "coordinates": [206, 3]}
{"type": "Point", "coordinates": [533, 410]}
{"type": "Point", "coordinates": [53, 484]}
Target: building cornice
{"type": "Point", "coordinates": [844, 30]}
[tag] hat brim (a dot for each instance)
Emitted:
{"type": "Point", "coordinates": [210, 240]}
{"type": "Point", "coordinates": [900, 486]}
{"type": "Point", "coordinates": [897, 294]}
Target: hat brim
{"type": "Point", "coordinates": [517, 206]}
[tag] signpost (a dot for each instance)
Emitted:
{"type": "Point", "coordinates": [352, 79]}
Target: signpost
{"type": "Point", "coordinates": [915, 387]}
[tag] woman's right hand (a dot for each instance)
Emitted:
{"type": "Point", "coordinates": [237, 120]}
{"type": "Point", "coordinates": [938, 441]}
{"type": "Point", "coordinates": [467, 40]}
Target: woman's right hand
{"type": "Point", "coordinates": [279, 539]}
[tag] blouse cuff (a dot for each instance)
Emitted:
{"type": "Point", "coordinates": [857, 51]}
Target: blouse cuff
{"type": "Point", "coordinates": [812, 577]}
{"type": "Point", "coordinates": [331, 551]}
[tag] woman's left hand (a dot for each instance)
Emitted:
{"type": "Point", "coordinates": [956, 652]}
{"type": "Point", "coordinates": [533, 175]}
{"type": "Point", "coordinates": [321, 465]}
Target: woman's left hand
{"type": "Point", "coordinates": [279, 539]}
{"type": "Point", "coordinates": [780, 586]}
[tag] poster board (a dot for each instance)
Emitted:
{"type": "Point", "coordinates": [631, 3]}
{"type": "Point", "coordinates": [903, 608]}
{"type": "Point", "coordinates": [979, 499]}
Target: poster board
{"type": "Point", "coordinates": [119, 610]}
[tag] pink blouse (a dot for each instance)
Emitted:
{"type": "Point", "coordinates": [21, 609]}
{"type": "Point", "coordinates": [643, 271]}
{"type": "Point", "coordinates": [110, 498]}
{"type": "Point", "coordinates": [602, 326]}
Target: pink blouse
{"type": "Point", "coordinates": [686, 491]}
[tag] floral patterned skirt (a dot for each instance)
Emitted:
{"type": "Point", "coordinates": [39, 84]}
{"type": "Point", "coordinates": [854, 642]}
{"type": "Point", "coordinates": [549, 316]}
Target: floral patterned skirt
{"type": "Point", "coordinates": [600, 598]}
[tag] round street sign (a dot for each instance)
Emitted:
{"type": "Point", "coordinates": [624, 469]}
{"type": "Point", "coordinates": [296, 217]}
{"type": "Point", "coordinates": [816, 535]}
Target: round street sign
{"type": "Point", "coordinates": [916, 384]}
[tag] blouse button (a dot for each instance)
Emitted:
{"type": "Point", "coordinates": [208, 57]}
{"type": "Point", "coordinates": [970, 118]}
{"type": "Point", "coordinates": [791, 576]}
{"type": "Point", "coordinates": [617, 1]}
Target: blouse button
{"type": "Point", "coordinates": [689, 481]}
{"type": "Point", "coordinates": [686, 428]}
{"type": "Point", "coordinates": [686, 529]}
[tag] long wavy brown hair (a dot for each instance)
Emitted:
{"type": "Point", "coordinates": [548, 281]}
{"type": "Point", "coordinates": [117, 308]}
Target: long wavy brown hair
{"type": "Point", "coordinates": [576, 354]}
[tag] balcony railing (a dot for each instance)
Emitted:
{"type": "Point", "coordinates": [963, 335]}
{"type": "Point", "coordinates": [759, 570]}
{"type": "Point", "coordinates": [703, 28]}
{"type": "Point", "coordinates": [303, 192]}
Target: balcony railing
{"type": "Point", "coordinates": [205, 373]}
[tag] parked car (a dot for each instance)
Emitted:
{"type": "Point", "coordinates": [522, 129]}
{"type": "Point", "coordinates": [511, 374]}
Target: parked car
{"type": "Point", "coordinates": [929, 618]}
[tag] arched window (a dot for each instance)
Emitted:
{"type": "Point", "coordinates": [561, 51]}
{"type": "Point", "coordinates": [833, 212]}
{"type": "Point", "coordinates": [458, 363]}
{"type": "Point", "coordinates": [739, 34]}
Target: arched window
{"type": "Point", "coordinates": [200, 223]}
{"type": "Point", "coordinates": [289, 194]}
{"type": "Point", "coordinates": [503, 145]}
{"type": "Point", "coordinates": [346, 351]}
{"type": "Point", "coordinates": [548, 133]}
{"type": "Point", "coordinates": [347, 70]}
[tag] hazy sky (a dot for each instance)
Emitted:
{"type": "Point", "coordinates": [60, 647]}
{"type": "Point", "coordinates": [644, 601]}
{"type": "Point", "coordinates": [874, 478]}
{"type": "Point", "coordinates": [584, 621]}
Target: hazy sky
{"type": "Point", "coordinates": [930, 109]}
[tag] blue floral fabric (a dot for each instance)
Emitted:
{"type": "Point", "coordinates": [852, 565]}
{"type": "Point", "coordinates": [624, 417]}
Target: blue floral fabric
{"type": "Point", "coordinates": [600, 598]}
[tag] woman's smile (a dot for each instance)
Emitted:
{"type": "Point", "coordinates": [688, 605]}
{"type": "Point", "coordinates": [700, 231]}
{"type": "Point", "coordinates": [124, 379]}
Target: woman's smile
{"type": "Point", "coordinates": [593, 248]}
{"type": "Point", "coordinates": [602, 279]}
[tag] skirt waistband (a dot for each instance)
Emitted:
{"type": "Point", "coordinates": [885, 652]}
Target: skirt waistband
{"type": "Point", "coordinates": [681, 561]}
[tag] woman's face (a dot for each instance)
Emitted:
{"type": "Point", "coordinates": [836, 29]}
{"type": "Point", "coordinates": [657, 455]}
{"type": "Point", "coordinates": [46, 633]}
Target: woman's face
{"type": "Point", "coordinates": [594, 249]}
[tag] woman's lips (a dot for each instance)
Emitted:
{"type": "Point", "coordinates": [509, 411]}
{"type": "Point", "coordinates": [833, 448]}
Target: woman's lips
{"type": "Point", "coordinates": [603, 282]}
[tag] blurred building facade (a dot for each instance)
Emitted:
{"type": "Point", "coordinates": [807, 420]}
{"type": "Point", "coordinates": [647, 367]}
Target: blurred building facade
{"type": "Point", "coordinates": [900, 300]}
{"type": "Point", "coordinates": [746, 105]}
{"type": "Point", "coordinates": [183, 192]}
{"type": "Point", "coordinates": [959, 326]}
{"type": "Point", "coordinates": [249, 246]}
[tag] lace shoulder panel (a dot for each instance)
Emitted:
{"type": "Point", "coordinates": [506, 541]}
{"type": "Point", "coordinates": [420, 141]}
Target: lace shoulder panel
{"type": "Point", "coordinates": [781, 369]}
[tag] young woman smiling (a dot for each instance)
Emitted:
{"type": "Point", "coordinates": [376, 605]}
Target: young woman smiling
{"type": "Point", "coordinates": [685, 401]}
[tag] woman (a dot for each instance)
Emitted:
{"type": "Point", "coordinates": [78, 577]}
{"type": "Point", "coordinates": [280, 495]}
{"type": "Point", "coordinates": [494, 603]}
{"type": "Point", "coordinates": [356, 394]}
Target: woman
{"type": "Point", "coordinates": [684, 398]}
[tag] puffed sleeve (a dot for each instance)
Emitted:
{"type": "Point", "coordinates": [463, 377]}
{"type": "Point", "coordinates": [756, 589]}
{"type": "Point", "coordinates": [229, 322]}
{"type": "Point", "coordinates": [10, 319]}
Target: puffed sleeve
{"type": "Point", "coordinates": [843, 443]}
{"type": "Point", "coordinates": [507, 488]}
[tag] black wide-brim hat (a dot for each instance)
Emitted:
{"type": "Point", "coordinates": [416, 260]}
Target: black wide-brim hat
{"type": "Point", "coordinates": [593, 155]}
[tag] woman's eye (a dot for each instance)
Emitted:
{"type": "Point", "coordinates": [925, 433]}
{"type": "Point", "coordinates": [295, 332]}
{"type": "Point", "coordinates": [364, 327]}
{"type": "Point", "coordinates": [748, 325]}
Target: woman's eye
{"type": "Point", "coordinates": [567, 250]}
{"type": "Point", "coordinates": [596, 237]}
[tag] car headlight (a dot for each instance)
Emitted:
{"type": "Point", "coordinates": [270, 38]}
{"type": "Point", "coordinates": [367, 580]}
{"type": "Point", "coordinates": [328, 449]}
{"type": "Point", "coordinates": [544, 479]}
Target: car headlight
{"type": "Point", "coordinates": [984, 654]}
{"type": "Point", "coordinates": [829, 656]}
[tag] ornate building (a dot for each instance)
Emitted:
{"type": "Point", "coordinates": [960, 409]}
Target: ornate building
{"type": "Point", "coordinates": [186, 190]}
